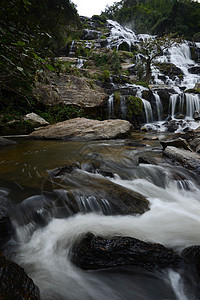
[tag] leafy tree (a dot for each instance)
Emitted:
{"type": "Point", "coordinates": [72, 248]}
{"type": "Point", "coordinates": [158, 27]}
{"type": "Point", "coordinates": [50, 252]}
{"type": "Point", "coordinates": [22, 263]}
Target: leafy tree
{"type": "Point", "coordinates": [31, 31]}
{"type": "Point", "coordinates": [150, 49]}
{"type": "Point", "coordinates": [158, 16]}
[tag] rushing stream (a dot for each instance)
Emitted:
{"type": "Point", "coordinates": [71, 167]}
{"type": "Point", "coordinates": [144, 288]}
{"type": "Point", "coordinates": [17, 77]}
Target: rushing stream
{"type": "Point", "coordinates": [42, 245]}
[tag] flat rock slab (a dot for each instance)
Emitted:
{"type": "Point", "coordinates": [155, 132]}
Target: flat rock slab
{"type": "Point", "coordinates": [190, 160]}
{"type": "Point", "coordinates": [95, 252]}
{"type": "Point", "coordinates": [84, 129]}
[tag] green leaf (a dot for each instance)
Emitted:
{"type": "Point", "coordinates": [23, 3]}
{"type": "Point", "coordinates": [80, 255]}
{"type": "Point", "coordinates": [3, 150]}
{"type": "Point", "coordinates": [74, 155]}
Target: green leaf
{"type": "Point", "coordinates": [50, 67]}
{"type": "Point", "coordinates": [20, 69]}
{"type": "Point", "coordinates": [20, 43]}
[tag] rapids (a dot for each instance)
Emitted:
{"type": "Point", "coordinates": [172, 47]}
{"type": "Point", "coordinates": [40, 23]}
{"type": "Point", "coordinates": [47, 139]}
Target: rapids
{"type": "Point", "coordinates": [43, 249]}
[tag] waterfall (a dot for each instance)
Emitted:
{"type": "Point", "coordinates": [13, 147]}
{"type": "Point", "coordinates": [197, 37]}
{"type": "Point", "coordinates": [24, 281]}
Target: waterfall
{"type": "Point", "coordinates": [172, 103]}
{"type": "Point", "coordinates": [192, 104]}
{"type": "Point", "coordinates": [111, 106]}
{"type": "Point", "coordinates": [158, 106]}
{"type": "Point", "coordinates": [123, 107]}
{"type": "Point", "coordinates": [119, 35]}
{"type": "Point", "coordinates": [148, 110]}
{"type": "Point", "coordinates": [72, 49]}
{"type": "Point", "coordinates": [80, 63]}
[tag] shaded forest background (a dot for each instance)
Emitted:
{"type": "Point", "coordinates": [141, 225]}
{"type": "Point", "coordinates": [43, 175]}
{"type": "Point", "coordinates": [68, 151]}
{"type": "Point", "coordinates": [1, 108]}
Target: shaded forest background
{"type": "Point", "coordinates": [34, 32]}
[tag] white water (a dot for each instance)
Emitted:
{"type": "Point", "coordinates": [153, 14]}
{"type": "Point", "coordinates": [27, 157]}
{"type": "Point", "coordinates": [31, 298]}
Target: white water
{"type": "Point", "coordinates": [111, 106]}
{"type": "Point", "coordinates": [158, 106]}
{"type": "Point", "coordinates": [174, 221]}
{"type": "Point", "coordinates": [178, 55]}
{"type": "Point", "coordinates": [123, 107]}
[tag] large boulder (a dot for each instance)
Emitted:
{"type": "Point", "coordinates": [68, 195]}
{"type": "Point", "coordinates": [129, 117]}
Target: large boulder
{"type": "Point", "coordinates": [190, 160]}
{"type": "Point", "coordinates": [15, 283]}
{"type": "Point", "coordinates": [6, 142]}
{"type": "Point", "coordinates": [95, 252]}
{"type": "Point", "coordinates": [84, 129]}
{"type": "Point", "coordinates": [88, 192]}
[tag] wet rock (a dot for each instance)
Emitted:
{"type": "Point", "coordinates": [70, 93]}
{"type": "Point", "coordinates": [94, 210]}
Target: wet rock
{"type": "Point", "coordinates": [178, 143]}
{"type": "Point", "coordinates": [192, 136]}
{"type": "Point", "coordinates": [35, 120]}
{"type": "Point", "coordinates": [192, 254]}
{"type": "Point", "coordinates": [14, 282]}
{"type": "Point", "coordinates": [6, 227]}
{"type": "Point", "coordinates": [197, 86]}
{"type": "Point", "coordinates": [87, 192]}
{"type": "Point", "coordinates": [196, 115]}
{"type": "Point", "coordinates": [172, 126]}
{"type": "Point", "coordinates": [190, 160]}
{"type": "Point", "coordinates": [84, 129]}
{"type": "Point", "coordinates": [6, 142]}
{"type": "Point", "coordinates": [95, 252]}
{"type": "Point", "coordinates": [194, 70]}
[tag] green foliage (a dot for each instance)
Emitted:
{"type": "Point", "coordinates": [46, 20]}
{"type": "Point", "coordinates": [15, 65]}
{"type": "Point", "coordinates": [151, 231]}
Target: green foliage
{"type": "Point", "coordinates": [158, 16]}
{"type": "Point", "coordinates": [115, 63]}
{"type": "Point", "coordinates": [149, 50]}
{"type": "Point", "coordinates": [134, 106]}
{"type": "Point", "coordinates": [143, 83]}
{"type": "Point", "coordinates": [61, 113]}
{"type": "Point", "coordinates": [106, 76]}
{"type": "Point", "coordinates": [117, 96]}
{"type": "Point", "coordinates": [30, 31]}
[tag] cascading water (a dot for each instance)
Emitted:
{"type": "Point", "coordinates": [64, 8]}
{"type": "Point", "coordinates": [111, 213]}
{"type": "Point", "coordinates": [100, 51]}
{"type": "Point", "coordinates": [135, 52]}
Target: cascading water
{"type": "Point", "coordinates": [159, 106]}
{"type": "Point", "coordinates": [173, 220]}
{"type": "Point", "coordinates": [178, 56]}
{"type": "Point", "coordinates": [192, 104]}
{"type": "Point", "coordinates": [111, 106]}
{"type": "Point", "coordinates": [172, 103]}
{"type": "Point", "coordinates": [148, 110]}
{"type": "Point", "coordinates": [123, 107]}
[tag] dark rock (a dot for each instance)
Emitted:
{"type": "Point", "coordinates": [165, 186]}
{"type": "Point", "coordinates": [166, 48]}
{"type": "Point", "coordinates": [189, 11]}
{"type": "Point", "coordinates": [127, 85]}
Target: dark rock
{"type": "Point", "coordinates": [172, 126]}
{"type": "Point", "coordinates": [196, 115]}
{"type": "Point", "coordinates": [89, 193]}
{"type": "Point", "coordinates": [14, 282]}
{"type": "Point", "coordinates": [6, 142]}
{"type": "Point", "coordinates": [178, 143]}
{"type": "Point", "coordinates": [180, 116]}
{"type": "Point", "coordinates": [6, 227]}
{"type": "Point", "coordinates": [95, 252]}
{"type": "Point", "coordinates": [194, 70]}
{"type": "Point", "coordinates": [192, 254]}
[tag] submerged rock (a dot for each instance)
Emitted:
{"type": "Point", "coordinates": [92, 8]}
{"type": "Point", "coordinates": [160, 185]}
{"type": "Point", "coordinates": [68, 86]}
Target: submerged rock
{"type": "Point", "coordinates": [6, 142]}
{"type": "Point", "coordinates": [87, 192]}
{"type": "Point", "coordinates": [15, 283]}
{"type": "Point", "coordinates": [84, 129]}
{"type": "Point", "coordinates": [95, 252]}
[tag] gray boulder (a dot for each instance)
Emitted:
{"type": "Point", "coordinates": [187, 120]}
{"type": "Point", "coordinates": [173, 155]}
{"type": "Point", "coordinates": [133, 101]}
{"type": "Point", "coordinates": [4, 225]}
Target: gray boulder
{"type": "Point", "coordinates": [84, 129]}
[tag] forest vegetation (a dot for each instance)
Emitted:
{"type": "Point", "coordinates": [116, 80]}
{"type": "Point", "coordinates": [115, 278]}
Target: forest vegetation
{"type": "Point", "coordinates": [34, 32]}
{"type": "Point", "coordinates": [158, 16]}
